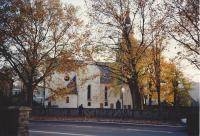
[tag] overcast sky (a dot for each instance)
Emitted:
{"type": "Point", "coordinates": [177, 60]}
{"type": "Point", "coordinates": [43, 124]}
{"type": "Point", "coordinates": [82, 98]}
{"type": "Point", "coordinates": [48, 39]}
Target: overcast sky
{"type": "Point", "coordinates": [189, 70]}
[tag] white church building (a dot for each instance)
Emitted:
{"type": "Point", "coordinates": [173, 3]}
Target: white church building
{"type": "Point", "coordinates": [92, 90]}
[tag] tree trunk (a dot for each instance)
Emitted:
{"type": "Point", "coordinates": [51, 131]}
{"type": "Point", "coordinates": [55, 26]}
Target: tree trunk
{"type": "Point", "coordinates": [175, 97]}
{"type": "Point", "coordinates": [158, 91]}
{"type": "Point", "coordinates": [138, 98]}
{"type": "Point", "coordinates": [44, 92]}
{"type": "Point", "coordinates": [135, 93]}
{"type": "Point", "coordinates": [29, 92]}
{"type": "Point", "coordinates": [150, 100]}
{"type": "Point", "coordinates": [175, 89]}
{"type": "Point", "coordinates": [132, 95]}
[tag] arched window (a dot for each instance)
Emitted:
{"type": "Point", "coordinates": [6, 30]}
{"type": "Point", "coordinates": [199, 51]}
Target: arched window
{"type": "Point", "coordinates": [67, 99]}
{"type": "Point", "coordinates": [106, 93]}
{"type": "Point", "coordinates": [89, 92]}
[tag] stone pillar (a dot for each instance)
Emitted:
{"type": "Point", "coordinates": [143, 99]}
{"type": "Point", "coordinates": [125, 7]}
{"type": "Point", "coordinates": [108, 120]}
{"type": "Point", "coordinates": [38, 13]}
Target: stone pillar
{"type": "Point", "coordinates": [23, 120]}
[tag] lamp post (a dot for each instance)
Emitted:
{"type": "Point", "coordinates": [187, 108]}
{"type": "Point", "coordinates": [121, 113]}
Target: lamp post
{"type": "Point", "coordinates": [122, 91]}
{"type": "Point", "coordinates": [162, 83]}
{"type": "Point", "coordinates": [44, 88]}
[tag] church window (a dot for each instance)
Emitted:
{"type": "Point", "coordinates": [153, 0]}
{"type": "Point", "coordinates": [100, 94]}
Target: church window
{"type": "Point", "coordinates": [106, 93]}
{"type": "Point", "coordinates": [106, 103]}
{"type": "Point", "coordinates": [89, 103]}
{"type": "Point", "coordinates": [67, 99]}
{"type": "Point", "coordinates": [89, 92]}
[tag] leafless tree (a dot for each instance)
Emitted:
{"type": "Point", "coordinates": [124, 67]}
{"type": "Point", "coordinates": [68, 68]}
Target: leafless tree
{"type": "Point", "coordinates": [183, 26]}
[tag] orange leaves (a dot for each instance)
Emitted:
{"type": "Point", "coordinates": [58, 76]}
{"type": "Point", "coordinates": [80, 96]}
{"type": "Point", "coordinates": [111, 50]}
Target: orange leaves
{"type": "Point", "coordinates": [40, 36]}
{"type": "Point", "coordinates": [59, 93]}
{"type": "Point", "coordinates": [67, 64]}
{"type": "Point", "coordinates": [40, 12]}
{"type": "Point", "coordinates": [86, 79]}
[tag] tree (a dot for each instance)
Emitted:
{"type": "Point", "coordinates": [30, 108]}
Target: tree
{"type": "Point", "coordinates": [6, 85]}
{"type": "Point", "coordinates": [177, 86]}
{"type": "Point", "coordinates": [183, 26]}
{"type": "Point", "coordinates": [180, 88]}
{"type": "Point", "coordinates": [158, 45]}
{"type": "Point", "coordinates": [6, 81]}
{"type": "Point", "coordinates": [120, 22]}
{"type": "Point", "coordinates": [36, 36]}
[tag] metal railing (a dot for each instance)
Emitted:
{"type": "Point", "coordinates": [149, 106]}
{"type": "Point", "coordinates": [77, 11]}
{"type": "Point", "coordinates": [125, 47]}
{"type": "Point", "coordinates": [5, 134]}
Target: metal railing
{"type": "Point", "coordinates": [167, 113]}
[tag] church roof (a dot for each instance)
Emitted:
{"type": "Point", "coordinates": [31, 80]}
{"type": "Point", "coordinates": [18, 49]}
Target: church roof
{"type": "Point", "coordinates": [105, 73]}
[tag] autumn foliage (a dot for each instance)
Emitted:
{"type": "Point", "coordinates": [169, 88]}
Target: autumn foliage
{"type": "Point", "coordinates": [39, 37]}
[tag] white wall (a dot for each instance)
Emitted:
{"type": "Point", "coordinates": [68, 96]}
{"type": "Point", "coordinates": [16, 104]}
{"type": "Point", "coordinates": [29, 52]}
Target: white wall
{"type": "Point", "coordinates": [127, 99]}
{"type": "Point", "coordinates": [87, 75]}
{"type": "Point", "coordinates": [90, 75]}
{"type": "Point", "coordinates": [113, 96]}
{"type": "Point", "coordinates": [61, 103]}
{"type": "Point", "coordinates": [195, 91]}
{"type": "Point", "coordinates": [57, 80]}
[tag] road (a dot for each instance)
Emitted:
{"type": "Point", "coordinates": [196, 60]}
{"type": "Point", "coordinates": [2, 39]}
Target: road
{"type": "Point", "coordinates": [49, 128]}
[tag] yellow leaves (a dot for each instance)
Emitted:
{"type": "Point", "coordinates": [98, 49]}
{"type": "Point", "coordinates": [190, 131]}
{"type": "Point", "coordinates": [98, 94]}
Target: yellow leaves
{"type": "Point", "coordinates": [127, 53]}
{"type": "Point", "coordinates": [59, 93]}
{"type": "Point", "coordinates": [68, 64]}
{"type": "Point", "coordinates": [115, 86]}
{"type": "Point", "coordinates": [169, 98]}
{"type": "Point", "coordinates": [40, 13]}
{"type": "Point", "coordinates": [68, 14]}
{"type": "Point", "coordinates": [86, 79]}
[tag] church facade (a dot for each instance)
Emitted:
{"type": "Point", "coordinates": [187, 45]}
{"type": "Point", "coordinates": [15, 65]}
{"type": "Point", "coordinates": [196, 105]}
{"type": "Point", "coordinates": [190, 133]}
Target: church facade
{"type": "Point", "coordinates": [91, 87]}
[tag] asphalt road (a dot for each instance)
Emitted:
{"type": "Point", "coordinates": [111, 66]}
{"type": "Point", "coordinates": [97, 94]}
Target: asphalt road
{"type": "Point", "coordinates": [50, 128]}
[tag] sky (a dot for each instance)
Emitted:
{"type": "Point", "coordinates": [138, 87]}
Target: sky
{"type": "Point", "coordinates": [189, 70]}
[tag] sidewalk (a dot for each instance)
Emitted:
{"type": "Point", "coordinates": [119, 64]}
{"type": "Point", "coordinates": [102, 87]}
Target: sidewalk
{"type": "Point", "coordinates": [108, 120]}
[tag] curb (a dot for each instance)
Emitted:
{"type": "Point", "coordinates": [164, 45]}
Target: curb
{"type": "Point", "coordinates": [113, 122]}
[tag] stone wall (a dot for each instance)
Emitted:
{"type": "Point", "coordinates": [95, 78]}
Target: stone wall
{"type": "Point", "coordinates": [14, 121]}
